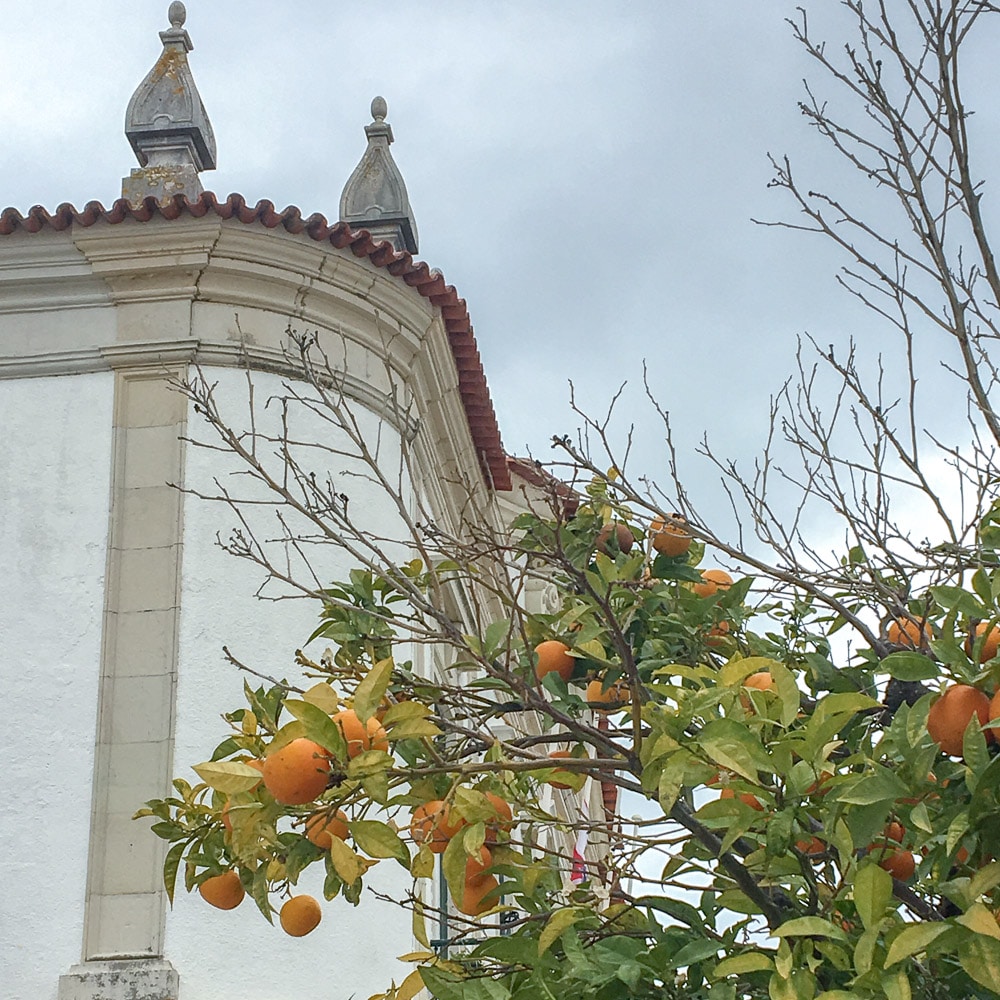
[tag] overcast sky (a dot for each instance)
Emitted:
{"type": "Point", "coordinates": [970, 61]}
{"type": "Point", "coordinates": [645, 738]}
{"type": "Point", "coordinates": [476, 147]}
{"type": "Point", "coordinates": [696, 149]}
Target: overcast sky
{"type": "Point", "coordinates": [583, 172]}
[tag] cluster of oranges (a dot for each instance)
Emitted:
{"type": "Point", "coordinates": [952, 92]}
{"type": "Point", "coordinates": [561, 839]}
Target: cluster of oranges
{"type": "Point", "coordinates": [297, 774]}
{"type": "Point", "coordinates": [435, 823]}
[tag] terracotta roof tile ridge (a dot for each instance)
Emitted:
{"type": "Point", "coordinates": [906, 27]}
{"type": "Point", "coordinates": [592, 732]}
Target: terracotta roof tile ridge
{"type": "Point", "coordinates": [429, 282]}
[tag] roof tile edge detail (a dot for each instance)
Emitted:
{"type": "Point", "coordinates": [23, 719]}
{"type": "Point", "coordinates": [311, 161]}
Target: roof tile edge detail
{"type": "Point", "coordinates": [429, 283]}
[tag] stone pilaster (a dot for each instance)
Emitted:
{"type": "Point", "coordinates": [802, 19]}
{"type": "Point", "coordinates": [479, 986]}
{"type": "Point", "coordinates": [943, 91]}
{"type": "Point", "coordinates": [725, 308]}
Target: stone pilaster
{"type": "Point", "coordinates": [126, 903]}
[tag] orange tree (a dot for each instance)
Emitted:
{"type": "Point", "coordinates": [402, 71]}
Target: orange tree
{"type": "Point", "coordinates": [805, 738]}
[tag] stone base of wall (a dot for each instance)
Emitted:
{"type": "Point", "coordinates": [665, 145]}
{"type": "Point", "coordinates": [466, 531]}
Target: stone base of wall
{"type": "Point", "coordinates": [125, 979]}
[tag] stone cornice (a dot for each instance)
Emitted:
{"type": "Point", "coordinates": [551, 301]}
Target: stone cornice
{"type": "Point", "coordinates": [169, 354]}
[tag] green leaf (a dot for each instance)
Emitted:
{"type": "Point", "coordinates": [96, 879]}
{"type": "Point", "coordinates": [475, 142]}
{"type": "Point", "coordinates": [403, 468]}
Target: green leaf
{"type": "Point", "coordinates": [737, 965]}
{"type": "Point", "coordinates": [170, 865]}
{"type": "Point", "coordinates": [912, 940]}
{"type": "Point", "coordinates": [809, 927]}
{"type": "Point", "coordinates": [872, 893]}
{"type": "Point", "coordinates": [422, 865]}
{"type": "Point", "coordinates": [912, 666]}
{"type": "Point", "coordinates": [870, 789]}
{"type": "Point", "coordinates": [676, 908]}
{"type": "Point", "coordinates": [733, 746]}
{"type": "Point", "coordinates": [369, 762]}
{"type": "Point", "coordinates": [556, 924]}
{"type": "Point", "coordinates": [957, 599]}
{"type": "Point", "coordinates": [443, 985]}
{"type": "Point", "coordinates": [980, 957]}
{"type": "Point", "coordinates": [453, 862]}
{"type": "Point", "coordinates": [419, 924]}
{"type": "Point", "coordinates": [228, 776]}
{"type": "Point", "coordinates": [410, 729]}
{"type": "Point", "coordinates": [378, 840]}
{"type": "Point", "coordinates": [694, 951]}
{"type": "Point", "coordinates": [319, 727]}
{"type": "Point", "coordinates": [370, 692]}
{"type": "Point", "coordinates": [405, 710]}
{"type": "Point", "coordinates": [988, 877]}
{"type": "Point", "coordinates": [897, 985]}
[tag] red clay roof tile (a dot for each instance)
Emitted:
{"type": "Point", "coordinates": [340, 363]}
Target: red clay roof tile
{"type": "Point", "coordinates": [429, 283]}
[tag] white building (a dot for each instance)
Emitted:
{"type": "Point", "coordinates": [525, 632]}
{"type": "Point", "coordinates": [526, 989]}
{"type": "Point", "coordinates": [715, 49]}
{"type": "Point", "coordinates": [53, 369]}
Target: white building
{"type": "Point", "coordinates": [116, 598]}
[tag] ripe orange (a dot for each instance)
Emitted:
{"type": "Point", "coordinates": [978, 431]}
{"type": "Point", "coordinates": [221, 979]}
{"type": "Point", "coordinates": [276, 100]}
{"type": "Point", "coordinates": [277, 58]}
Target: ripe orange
{"type": "Point", "coordinates": [745, 797]}
{"type": "Point", "coordinates": [623, 536]}
{"type": "Point", "coordinates": [717, 633]}
{"type": "Point", "coordinates": [712, 580]}
{"type": "Point", "coordinates": [900, 864]}
{"type": "Point", "coordinates": [950, 715]}
{"type": "Point", "coordinates": [904, 632]}
{"type": "Point", "coordinates": [611, 700]}
{"type": "Point", "coordinates": [553, 655]}
{"type": "Point", "coordinates": [321, 827]}
{"type": "Point", "coordinates": [995, 713]}
{"type": "Point", "coordinates": [811, 846]}
{"type": "Point", "coordinates": [762, 681]}
{"type": "Point", "coordinates": [224, 891]}
{"type": "Point", "coordinates": [477, 886]}
{"type": "Point", "coordinates": [504, 820]}
{"type": "Point", "coordinates": [990, 644]}
{"type": "Point", "coordinates": [431, 824]}
{"type": "Point", "coordinates": [895, 831]}
{"type": "Point", "coordinates": [670, 535]}
{"type": "Point", "coordinates": [370, 736]}
{"type": "Point", "coordinates": [297, 773]}
{"type": "Point", "coordinates": [300, 915]}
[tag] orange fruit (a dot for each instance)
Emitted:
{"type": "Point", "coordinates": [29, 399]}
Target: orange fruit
{"type": "Point", "coordinates": [321, 827]}
{"type": "Point", "coordinates": [224, 891]}
{"type": "Point", "coordinates": [811, 846]}
{"type": "Point", "coordinates": [553, 655]}
{"type": "Point", "coordinates": [900, 864]}
{"type": "Point", "coordinates": [961, 856]}
{"type": "Point", "coordinates": [717, 633]}
{"type": "Point", "coordinates": [895, 831]}
{"type": "Point", "coordinates": [995, 713]}
{"type": "Point", "coordinates": [555, 755]}
{"type": "Point", "coordinates": [504, 820]}
{"type": "Point", "coordinates": [762, 681]}
{"type": "Point", "coordinates": [477, 886]}
{"type": "Point", "coordinates": [610, 700]}
{"type": "Point", "coordinates": [297, 773]}
{"type": "Point", "coordinates": [669, 535]}
{"type": "Point", "coordinates": [300, 915]}
{"type": "Point", "coordinates": [745, 797]}
{"type": "Point", "coordinates": [712, 580]}
{"type": "Point", "coordinates": [950, 715]}
{"type": "Point", "coordinates": [623, 537]}
{"type": "Point", "coordinates": [990, 644]}
{"type": "Point", "coordinates": [431, 824]}
{"type": "Point", "coordinates": [904, 632]}
{"type": "Point", "coordinates": [360, 737]}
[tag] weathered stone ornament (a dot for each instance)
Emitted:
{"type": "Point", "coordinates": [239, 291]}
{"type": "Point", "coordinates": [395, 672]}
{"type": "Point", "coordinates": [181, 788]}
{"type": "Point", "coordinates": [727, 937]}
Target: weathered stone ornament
{"type": "Point", "coordinates": [167, 125]}
{"type": "Point", "coordinates": [374, 197]}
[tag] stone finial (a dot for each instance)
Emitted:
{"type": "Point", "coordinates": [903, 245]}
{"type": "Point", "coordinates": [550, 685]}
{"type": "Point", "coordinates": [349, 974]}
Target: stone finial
{"type": "Point", "coordinates": [374, 197]}
{"type": "Point", "coordinates": [166, 123]}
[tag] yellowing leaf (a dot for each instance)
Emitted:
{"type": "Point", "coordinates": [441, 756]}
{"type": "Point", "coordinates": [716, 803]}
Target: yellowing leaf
{"type": "Point", "coordinates": [228, 776]}
{"type": "Point", "coordinates": [912, 940]}
{"type": "Point", "coordinates": [735, 965]}
{"type": "Point", "coordinates": [556, 924]}
{"type": "Point", "coordinates": [349, 865]}
{"type": "Point", "coordinates": [410, 986]}
{"type": "Point", "coordinates": [323, 696]}
{"type": "Point", "coordinates": [979, 919]}
{"type": "Point", "coordinates": [379, 841]}
{"type": "Point", "coordinates": [409, 729]}
{"type": "Point", "coordinates": [371, 690]}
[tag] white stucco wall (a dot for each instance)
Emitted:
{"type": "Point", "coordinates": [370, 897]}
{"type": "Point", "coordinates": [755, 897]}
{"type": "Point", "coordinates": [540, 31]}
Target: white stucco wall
{"type": "Point", "coordinates": [54, 487]}
{"type": "Point", "coordinates": [236, 953]}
